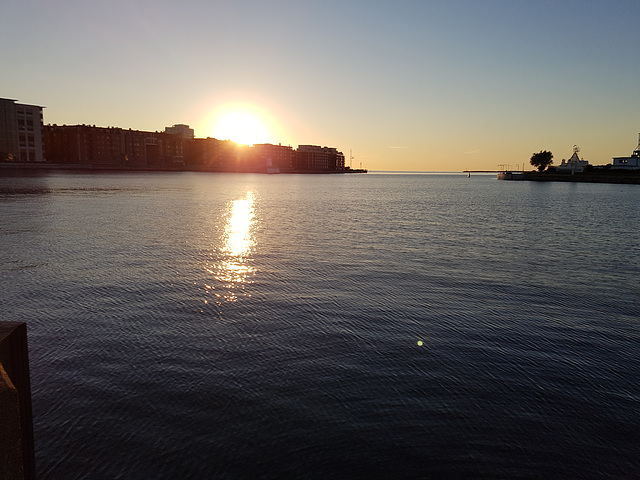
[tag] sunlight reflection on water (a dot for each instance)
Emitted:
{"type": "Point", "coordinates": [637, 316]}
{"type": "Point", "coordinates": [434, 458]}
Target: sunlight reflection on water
{"type": "Point", "coordinates": [233, 266]}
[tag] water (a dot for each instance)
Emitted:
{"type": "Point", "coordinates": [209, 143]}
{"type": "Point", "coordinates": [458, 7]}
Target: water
{"type": "Point", "coordinates": [188, 325]}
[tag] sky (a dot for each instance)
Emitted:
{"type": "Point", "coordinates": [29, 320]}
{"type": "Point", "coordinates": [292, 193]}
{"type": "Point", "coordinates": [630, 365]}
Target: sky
{"type": "Point", "coordinates": [404, 85]}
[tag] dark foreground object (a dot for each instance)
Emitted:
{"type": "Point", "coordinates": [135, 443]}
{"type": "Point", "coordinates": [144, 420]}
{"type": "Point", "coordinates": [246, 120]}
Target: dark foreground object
{"type": "Point", "coordinates": [17, 456]}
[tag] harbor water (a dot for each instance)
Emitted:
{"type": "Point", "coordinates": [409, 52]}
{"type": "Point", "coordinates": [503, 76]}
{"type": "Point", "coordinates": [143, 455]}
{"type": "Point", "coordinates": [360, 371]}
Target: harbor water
{"type": "Point", "coordinates": [201, 325]}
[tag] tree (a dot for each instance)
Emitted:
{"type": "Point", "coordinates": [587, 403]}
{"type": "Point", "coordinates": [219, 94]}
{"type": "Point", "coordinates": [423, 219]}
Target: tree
{"type": "Point", "coordinates": [542, 160]}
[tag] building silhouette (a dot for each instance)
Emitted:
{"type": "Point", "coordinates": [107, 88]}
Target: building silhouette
{"type": "Point", "coordinates": [211, 154]}
{"type": "Point", "coordinates": [319, 159]}
{"type": "Point", "coordinates": [111, 146]}
{"type": "Point", "coordinates": [88, 145]}
{"type": "Point", "coordinates": [24, 138]}
{"type": "Point", "coordinates": [632, 162]}
{"type": "Point", "coordinates": [574, 165]}
{"type": "Point", "coordinates": [182, 130]}
{"type": "Point", "coordinates": [275, 158]}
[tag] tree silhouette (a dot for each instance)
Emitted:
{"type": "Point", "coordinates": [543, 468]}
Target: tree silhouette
{"type": "Point", "coordinates": [542, 160]}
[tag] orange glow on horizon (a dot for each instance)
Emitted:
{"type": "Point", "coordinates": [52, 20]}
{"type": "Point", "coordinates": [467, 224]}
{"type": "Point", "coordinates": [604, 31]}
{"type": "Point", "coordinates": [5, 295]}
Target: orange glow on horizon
{"type": "Point", "coordinates": [241, 122]}
{"type": "Point", "coordinates": [241, 127]}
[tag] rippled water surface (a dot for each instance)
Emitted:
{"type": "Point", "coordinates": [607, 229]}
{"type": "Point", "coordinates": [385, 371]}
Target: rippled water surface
{"type": "Point", "coordinates": [190, 325]}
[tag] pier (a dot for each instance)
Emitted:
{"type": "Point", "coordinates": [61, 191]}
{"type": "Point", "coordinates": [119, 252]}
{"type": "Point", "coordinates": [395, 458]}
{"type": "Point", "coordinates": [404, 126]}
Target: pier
{"type": "Point", "coordinates": [611, 176]}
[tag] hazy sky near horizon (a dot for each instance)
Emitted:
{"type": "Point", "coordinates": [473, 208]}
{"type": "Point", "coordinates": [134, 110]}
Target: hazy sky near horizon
{"type": "Point", "coordinates": [407, 85]}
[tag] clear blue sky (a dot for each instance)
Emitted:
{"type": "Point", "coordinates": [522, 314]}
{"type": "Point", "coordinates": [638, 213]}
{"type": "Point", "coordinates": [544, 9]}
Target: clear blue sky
{"type": "Point", "coordinates": [407, 85]}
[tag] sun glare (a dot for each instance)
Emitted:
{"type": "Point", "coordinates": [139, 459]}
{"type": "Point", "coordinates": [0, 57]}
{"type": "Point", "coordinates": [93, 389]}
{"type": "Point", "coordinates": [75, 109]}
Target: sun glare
{"type": "Point", "coordinates": [241, 127]}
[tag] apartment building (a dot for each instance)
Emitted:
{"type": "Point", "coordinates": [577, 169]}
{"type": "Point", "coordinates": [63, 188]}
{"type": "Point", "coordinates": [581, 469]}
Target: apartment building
{"type": "Point", "coordinates": [277, 157]}
{"type": "Point", "coordinates": [211, 153]}
{"type": "Point", "coordinates": [317, 159]}
{"type": "Point", "coordinates": [91, 145]}
{"type": "Point", "coordinates": [20, 132]}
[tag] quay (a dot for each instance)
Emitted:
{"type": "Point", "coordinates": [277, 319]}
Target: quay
{"type": "Point", "coordinates": [603, 176]}
{"type": "Point", "coordinates": [511, 176]}
{"type": "Point", "coordinates": [19, 168]}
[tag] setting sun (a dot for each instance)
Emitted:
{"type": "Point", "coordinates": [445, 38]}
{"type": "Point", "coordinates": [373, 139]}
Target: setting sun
{"type": "Point", "coordinates": [241, 127]}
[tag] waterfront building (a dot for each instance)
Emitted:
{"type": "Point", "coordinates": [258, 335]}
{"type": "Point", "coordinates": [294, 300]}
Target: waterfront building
{"type": "Point", "coordinates": [91, 145]}
{"type": "Point", "coordinates": [24, 138]}
{"type": "Point", "coordinates": [274, 158]}
{"type": "Point", "coordinates": [84, 144]}
{"type": "Point", "coordinates": [628, 163]}
{"type": "Point", "coordinates": [164, 149]}
{"type": "Point", "coordinates": [20, 132]}
{"type": "Point", "coordinates": [574, 164]}
{"type": "Point", "coordinates": [211, 154]}
{"type": "Point", "coordinates": [318, 159]}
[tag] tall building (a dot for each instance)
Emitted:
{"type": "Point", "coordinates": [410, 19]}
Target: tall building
{"type": "Point", "coordinates": [181, 130]}
{"type": "Point", "coordinates": [20, 132]}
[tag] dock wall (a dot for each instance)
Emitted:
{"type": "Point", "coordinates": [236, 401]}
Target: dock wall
{"type": "Point", "coordinates": [584, 177]}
